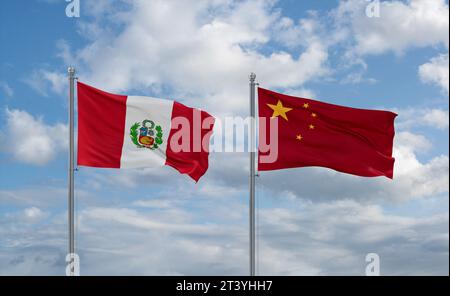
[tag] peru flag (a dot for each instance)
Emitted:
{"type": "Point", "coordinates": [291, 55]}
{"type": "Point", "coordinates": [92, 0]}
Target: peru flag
{"type": "Point", "coordinates": [116, 131]}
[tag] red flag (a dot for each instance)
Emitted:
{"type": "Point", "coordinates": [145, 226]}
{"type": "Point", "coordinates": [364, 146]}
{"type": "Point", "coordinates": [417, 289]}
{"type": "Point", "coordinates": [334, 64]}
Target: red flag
{"type": "Point", "coordinates": [313, 133]}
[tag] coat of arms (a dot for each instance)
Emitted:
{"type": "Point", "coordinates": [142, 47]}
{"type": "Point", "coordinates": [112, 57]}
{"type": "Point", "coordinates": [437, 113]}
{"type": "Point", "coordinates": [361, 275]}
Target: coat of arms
{"type": "Point", "coordinates": [146, 134]}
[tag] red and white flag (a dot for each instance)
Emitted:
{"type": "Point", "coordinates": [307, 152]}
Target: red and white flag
{"type": "Point", "coordinates": [116, 131]}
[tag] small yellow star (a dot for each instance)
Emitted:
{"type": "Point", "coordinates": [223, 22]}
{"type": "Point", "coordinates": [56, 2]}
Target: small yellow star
{"type": "Point", "coordinates": [279, 110]}
{"type": "Point", "coordinates": [311, 126]}
{"type": "Point", "coordinates": [306, 105]}
{"type": "Point", "coordinates": [299, 137]}
{"type": "Point", "coordinates": [314, 115]}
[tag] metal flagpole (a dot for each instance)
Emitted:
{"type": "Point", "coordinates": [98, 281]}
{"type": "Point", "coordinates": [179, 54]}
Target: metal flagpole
{"type": "Point", "coordinates": [71, 72]}
{"type": "Point", "coordinates": [252, 174]}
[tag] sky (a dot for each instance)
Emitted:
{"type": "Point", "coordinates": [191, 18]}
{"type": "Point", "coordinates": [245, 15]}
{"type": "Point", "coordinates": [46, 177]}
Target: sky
{"type": "Point", "coordinates": [310, 221]}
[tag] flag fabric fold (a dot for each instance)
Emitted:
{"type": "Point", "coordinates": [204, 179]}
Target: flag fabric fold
{"type": "Point", "coordinates": [313, 133]}
{"type": "Point", "coordinates": [117, 131]}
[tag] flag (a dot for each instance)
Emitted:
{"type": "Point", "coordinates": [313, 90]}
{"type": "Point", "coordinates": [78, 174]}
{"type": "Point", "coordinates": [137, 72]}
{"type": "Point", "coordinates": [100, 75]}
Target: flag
{"type": "Point", "coordinates": [313, 133]}
{"type": "Point", "coordinates": [116, 131]}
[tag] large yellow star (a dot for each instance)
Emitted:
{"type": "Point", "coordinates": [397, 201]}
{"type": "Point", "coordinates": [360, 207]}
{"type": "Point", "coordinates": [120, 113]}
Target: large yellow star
{"type": "Point", "coordinates": [279, 110]}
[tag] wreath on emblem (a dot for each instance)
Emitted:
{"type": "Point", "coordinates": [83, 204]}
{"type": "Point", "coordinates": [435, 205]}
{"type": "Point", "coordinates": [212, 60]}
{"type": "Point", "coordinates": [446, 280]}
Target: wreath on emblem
{"type": "Point", "coordinates": [146, 134]}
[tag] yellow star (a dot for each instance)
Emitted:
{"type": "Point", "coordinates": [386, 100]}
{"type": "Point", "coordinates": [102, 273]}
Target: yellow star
{"type": "Point", "coordinates": [306, 105]}
{"type": "Point", "coordinates": [279, 110]}
{"type": "Point", "coordinates": [299, 137]}
{"type": "Point", "coordinates": [314, 115]}
{"type": "Point", "coordinates": [311, 126]}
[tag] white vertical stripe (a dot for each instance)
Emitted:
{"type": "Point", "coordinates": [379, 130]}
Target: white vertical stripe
{"type": "Point", "coordinates": [139, 109]}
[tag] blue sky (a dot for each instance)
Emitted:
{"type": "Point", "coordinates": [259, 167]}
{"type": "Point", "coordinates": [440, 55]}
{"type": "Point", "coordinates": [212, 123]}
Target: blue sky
{"type": "Point", "coordinates": [156, 221]}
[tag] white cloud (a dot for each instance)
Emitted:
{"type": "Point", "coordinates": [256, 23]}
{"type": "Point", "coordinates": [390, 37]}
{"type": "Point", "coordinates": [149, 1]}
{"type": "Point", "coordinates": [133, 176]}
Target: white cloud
{"type": "Point", "coordinates": [401, 25]}
{"type": "Point", "coordinates": [337, 235]}
{"type": "Point", "coordinates": [33, 197]}
{"type": "Point", "coordinates": [44, 82]}
{"type": "Point", "coordinates": [437, 118]}
{"type": "Point", "coordinates": [296, 35]}
{"type": "Point", "coordinates": [206, 53]}
{"type": "Point", "coordinates": [153, 203]}
{"type": "Point", "coordinates": [415, 179]}
{"type": "Point", "coordinates": [4, 86]}
{"type": "Point", "coordinates": [436, 72]}
{"type": "Point", "coordinates": [30, 215]}
{"type": "Point", "coordinates": [412, 142]}
{"type": "Point", "coordinates": [34, 214]}
{"type": "Point", "coordinates": [357, 77]}
{"type": "Point", "coordinates": [302, 93]}
{"type": "Point", "coordinates": [64, 52]}
{"type": "Point", "coordinates": [176, 224]}
{"type": "Point", "coordinates": [30, 140]}
{"type": "Point", "coordinates": [294, 238]}
{"type": "Point", "coordinates": [415, 117]}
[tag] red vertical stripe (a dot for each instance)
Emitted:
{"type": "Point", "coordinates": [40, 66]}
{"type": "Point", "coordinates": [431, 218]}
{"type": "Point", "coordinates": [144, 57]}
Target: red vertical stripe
{"type": "Point", "coordinates": [101, 124]}
{"type": "Point", "coordinates": [194, 164]}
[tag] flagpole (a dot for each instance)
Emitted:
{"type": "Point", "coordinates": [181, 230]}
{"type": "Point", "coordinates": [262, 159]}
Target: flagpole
{"type": "Point", "coordinates": [252, 174]}
{"type": "Point", "coordinates": [71, 201]}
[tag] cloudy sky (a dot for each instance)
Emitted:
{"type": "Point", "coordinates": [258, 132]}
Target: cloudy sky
{"type": "Point", "coordinates": [311, 221]}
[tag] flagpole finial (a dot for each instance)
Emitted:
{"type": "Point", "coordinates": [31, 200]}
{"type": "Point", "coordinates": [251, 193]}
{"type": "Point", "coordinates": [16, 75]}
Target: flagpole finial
{"type": "Point", "coordinates": [252, 77]}
{"type": "Point", "coordinates": [71, 71]}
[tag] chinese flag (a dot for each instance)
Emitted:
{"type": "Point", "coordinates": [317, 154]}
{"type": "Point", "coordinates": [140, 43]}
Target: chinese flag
{"type": "Point", "coordinates": [313, 133]}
